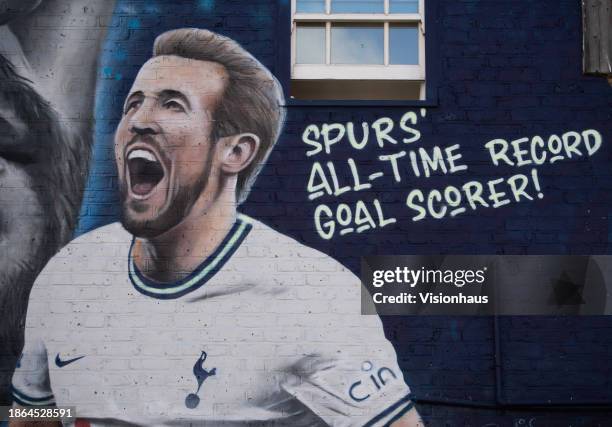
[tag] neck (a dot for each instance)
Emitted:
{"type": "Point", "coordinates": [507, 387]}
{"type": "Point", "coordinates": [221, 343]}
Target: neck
{"type": "Point", "coordinates": [177, 252]}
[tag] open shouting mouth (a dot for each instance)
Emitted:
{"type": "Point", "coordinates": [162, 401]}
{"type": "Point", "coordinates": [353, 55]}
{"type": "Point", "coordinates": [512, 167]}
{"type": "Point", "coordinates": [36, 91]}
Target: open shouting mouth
{"type": "Point", "coordinates": [145, 171]}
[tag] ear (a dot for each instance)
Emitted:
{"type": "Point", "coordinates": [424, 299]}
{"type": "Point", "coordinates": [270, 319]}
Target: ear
{"type": "Point", "coordinates": [238, 151]}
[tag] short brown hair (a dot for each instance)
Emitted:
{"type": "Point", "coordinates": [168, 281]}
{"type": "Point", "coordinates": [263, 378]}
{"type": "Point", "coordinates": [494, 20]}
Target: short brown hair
{"type": "Point", "coordinates": [253, 98]}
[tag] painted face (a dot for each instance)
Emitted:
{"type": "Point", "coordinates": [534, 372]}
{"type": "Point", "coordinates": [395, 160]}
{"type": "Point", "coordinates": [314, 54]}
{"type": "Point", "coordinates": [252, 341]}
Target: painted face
{"type": "Point", "coordinates": [163, 148]}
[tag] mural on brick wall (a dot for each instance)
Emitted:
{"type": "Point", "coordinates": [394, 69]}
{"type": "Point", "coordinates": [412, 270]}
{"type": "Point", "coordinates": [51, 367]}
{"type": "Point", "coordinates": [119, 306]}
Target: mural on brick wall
{"type": "Point", "coordinates": [197, 126]}
{"type": "Point", "coordinates": [187, 235]}
{"type": "Point", "coordinates": [47, 79]}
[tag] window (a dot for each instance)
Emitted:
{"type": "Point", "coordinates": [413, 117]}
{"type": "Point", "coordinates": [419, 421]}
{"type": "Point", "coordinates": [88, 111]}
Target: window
{"type": "Point", "coordinates": [597, 37]}
{"type": "Point", "coordinates": [358, 49]}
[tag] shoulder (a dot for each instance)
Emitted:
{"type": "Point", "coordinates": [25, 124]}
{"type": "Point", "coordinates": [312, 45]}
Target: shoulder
{"type": "Point", "coordinates": [98, 241]}
{"type": "Point", "coordinates": [307, 273]}
{"type": "Point", "coordinates": [111, 233]}
{"type": "Point", "coordinates": [73, 272]}
{"type": "Point", "coordinates": [87, 253]}
{"type": "Point", "coordinates": [290, 254]}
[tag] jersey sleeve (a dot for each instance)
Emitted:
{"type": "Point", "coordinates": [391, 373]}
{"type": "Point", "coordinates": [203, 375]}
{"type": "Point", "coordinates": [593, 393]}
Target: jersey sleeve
{"type": "Point", "coordinates": [350, 375]}
{"type": "Point", "coordinates": [31, 385]}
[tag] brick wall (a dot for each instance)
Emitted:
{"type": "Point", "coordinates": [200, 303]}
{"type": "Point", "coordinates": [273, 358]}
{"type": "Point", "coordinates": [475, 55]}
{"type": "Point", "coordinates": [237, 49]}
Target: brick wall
{"type": "Point", "coordinates": [506, 69]}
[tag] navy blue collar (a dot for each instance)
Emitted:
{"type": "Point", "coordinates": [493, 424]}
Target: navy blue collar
{"type": "Point", "coordinates": [207, 269]}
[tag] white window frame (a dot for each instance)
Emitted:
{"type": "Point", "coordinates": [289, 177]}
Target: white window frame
{"type": "Point", "coordinates": [386, 71]}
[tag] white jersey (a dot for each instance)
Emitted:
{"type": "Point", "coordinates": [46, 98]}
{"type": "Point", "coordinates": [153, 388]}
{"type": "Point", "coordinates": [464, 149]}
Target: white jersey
{"type": "Point", "coordinates": [266, 331]}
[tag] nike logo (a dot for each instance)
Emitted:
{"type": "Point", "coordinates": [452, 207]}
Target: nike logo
{"type": "Point", "coordinates": [61, 363]}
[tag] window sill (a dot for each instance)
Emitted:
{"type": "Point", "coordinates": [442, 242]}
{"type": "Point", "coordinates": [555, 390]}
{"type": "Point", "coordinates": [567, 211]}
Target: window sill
{"type": "Point", "coordinates": [359, 103]}
{"type": "Point", "coordinates": [357, 72]}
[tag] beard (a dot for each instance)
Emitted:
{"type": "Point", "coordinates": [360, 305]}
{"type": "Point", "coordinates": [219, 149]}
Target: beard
{"type": "Point", "coordinates": [160, 221]}
{"type": "Point", "coordinates": [170, 215]}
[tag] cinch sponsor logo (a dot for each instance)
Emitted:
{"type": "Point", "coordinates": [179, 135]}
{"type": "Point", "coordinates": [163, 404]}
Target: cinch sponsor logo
{"type": "Point", "coordinates": [362, 390]}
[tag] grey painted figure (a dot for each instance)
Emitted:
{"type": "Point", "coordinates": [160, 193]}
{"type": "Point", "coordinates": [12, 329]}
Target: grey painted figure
{"type": "Point", "coordinates": [47, 82]}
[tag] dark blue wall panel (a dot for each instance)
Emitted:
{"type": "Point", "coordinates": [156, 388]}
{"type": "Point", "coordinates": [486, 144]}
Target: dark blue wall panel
{"type": "Point", "coordinates": [504, 69]}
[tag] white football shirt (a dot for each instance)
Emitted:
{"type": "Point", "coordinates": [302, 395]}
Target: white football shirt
{"type": "Point", "coordinates": [266, 331]}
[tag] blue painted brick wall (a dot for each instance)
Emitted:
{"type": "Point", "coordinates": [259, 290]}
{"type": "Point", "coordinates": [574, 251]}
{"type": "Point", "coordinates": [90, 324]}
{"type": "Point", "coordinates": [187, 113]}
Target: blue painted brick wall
{"type": "Point", "coordinates": [506, 69]}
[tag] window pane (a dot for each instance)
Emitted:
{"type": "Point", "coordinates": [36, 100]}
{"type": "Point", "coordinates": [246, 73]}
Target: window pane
{"type": "Point", "coordinates": [403, 6]}
{"type": "Point", "coordinates": [403, 44]}
{"type": "Point", "coordinates": [351, 44]}
{"type": "Point", "coordinates": [310, 44]}
{"type": "Point", "coordinates": [310, 6]}
{"type": "Point", "coordinates": [357, 6]}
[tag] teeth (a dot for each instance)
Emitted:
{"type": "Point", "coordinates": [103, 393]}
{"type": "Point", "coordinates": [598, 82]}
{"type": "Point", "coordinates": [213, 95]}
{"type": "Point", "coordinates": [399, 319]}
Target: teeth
{"type": "Point", "coordinates": [142, 154]}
